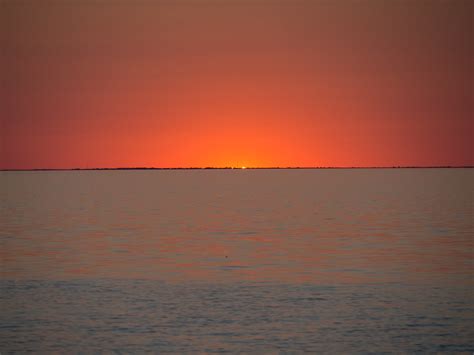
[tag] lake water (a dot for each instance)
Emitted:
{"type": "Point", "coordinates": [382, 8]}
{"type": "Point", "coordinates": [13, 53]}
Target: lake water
{"type": "Point", "coordinates": [332, 261]}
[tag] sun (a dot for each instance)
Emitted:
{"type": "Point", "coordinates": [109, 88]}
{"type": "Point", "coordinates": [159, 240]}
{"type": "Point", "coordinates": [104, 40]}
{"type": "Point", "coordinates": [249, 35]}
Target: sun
{"type": "Point", "coordinates": [243, 167]}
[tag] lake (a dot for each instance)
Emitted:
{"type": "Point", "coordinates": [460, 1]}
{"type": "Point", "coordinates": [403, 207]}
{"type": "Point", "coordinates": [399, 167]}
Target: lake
{"type": "Point", "coordinates": [176, 261]}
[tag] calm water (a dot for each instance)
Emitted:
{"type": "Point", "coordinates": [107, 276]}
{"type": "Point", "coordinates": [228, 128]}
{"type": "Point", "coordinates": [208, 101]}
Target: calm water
{"type": "Point", "coordinates": [237, 260]}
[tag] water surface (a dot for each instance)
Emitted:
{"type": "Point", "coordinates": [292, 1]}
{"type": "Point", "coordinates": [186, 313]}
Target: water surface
{"type": "Point", "coordinates": [237, 260]}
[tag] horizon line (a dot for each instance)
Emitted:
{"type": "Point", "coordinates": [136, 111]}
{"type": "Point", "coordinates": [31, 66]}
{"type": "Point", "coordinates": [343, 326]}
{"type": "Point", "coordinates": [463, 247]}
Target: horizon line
{"type": "Point", "coordinates": [250, 167]}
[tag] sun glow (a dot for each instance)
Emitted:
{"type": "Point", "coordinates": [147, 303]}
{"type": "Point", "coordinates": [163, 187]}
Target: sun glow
{"type": "Point", "coordinates": [243, 167]}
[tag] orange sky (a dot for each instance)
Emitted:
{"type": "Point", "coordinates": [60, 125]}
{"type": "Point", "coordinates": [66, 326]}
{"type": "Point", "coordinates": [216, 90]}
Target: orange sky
{"type": "Point", "coordinates": [102, 83]}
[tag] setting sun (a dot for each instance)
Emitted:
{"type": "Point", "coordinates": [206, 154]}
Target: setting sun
{"type": "Point", "coordinates": [292, 89]}
{"type": "Point", "coordinates": [120, 123]}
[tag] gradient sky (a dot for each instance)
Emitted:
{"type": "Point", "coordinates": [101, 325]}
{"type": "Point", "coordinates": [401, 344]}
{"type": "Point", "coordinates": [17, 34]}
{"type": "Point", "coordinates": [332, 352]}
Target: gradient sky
{"type": "Point", "coordinates": [179, 83]}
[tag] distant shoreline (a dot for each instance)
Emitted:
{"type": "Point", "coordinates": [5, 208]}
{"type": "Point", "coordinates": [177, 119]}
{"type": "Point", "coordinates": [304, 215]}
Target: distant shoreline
{"type": "Point", "coordinates": [247, 168]}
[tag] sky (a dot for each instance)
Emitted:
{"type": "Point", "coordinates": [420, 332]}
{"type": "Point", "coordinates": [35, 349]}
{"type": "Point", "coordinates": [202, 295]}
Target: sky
{"type": "Point", "coordinates": [195, 83]}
